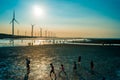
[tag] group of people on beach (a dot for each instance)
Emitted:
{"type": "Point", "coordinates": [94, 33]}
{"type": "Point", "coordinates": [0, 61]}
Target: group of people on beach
{"type": "Point", "coordinates": [52, 71]}
{"type": "Point", "coordinates": [74, 67]}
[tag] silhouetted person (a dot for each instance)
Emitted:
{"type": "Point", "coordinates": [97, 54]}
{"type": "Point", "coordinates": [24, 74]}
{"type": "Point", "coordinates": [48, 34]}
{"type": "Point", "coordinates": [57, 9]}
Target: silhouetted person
{"type": "Point", "coordinates": [62, 69]}
{"type": "Point", "coordinates": [92, 67]}
{"type": "Point", "coordinates": [79, 59]}
{"type": "Point", "coordinates": [28, 65]}
{"type": "Point", "coordinates": [52, 70]}
{"type": "Point", "coordinates": [75, 66]}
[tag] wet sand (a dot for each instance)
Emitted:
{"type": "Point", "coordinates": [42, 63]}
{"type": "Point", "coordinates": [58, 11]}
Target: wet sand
{"type": "Point", "coordinates": [106, 60]}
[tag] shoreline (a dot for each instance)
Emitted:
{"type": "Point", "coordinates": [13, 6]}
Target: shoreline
{"type": "Point", "coordinates": [62, 45]}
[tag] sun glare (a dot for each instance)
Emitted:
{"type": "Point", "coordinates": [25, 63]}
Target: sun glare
{"type": "Point", "coordinates": [38, 11]}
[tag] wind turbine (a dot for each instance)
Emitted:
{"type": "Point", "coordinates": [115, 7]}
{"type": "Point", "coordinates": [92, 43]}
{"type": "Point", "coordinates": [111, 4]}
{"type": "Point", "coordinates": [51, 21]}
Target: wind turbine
{"type": "Point", "coordinates": [25, 33]}
{"type": "Point", "coordinates": [46, 33]}
{"type": "Point", "coordinates": [32, 29]}
{"type": "Point", "coordinates": [13, 21]}
{"type": "Point", "coordinates": [40, 32]}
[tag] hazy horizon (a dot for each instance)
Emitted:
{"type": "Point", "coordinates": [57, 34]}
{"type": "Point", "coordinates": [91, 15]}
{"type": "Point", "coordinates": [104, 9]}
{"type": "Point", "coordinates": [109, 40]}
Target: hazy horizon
{"type": "Point", "coordinates": [65, 18]}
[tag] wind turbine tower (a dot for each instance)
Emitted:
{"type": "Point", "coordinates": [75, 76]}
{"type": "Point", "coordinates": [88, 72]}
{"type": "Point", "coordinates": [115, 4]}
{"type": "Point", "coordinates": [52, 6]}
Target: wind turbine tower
{"type": "Point", "coordinates": [32, 30]}
{"type": "Point", "coordinates": [13, 21]}
{"type": "Point", "coordinates": [40, 32]}
{"type": "Point", "coordinates": [46, 33]}
{"type": "Point", "coordinates": [25, 33]}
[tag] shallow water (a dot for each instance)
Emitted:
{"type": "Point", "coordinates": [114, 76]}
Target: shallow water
{"type": "Point", "coordinates": [106, 60]}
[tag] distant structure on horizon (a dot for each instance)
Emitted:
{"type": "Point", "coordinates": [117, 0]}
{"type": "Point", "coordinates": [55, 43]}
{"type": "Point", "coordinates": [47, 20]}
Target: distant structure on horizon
{"type": "Point", "coordinates": [40, 32]}
{"type": "Point", "coordinates": [13, 20]}
{"type": "Point", "coordinates": [46, 33]}
{"type": "Point", "coordinates": [32, 29]}
{"type": "Point", "coordinates": [25, 33]}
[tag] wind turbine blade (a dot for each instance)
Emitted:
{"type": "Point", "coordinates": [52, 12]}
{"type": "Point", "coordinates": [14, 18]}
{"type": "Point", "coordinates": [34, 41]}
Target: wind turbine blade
{"type": "Point", "coordinates": [14, 14]}
{"type": "Point", "coordinates": [16, 21]}
{"type": "Point", "coordinates": [10, 22]}
{"type": "Point", "coordinates": [32, 24]}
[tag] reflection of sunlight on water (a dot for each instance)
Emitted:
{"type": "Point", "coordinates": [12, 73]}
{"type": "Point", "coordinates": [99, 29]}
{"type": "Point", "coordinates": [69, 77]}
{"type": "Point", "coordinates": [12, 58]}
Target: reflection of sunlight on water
{"type": "Point", "coordinates": [39, 66]}
{"type": "Point", "coordinates": [18, 42]}
{"type": "Point", "coordinates": [28, 42]}
{"type": "Point", "coordinates": [37, 42]}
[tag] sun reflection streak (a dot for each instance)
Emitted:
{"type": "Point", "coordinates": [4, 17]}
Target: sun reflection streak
{"type": "Point", "coordinates": [40, 67]}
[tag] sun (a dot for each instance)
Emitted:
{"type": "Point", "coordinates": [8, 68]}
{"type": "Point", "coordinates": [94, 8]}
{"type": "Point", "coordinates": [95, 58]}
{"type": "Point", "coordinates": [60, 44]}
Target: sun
{"type": "Point", "coordinates": [38, 11]}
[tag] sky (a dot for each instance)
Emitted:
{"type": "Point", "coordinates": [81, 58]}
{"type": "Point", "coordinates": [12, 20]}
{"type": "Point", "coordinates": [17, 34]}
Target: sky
{"type": "Point", "coordinates": [65, 18]}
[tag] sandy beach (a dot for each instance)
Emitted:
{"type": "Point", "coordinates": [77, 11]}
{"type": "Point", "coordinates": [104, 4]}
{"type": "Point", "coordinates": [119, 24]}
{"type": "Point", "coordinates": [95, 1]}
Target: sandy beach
{"type": "Point", "coordinates": [105, 58]}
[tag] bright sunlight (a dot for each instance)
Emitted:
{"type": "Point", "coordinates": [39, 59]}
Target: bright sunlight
{"type": "Point", "coordinates": [38, 11]}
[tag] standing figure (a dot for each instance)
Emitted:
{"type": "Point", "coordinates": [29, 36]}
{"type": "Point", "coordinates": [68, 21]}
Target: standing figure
{"type": "Point", "coordinates": [52, 70]}
{"type": "Point", "coordinates": [28, 65]}
{"type": "Point", "coordinates": [79, 62]}
{"type": "Point", "coordinates": [62, 69]}
{"type": "Point", "coordinates": [92, 66]}
{"type": "Point", "coordinates": [75, 66]}
{"type": "Point", "coordinates": [79, 59]}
